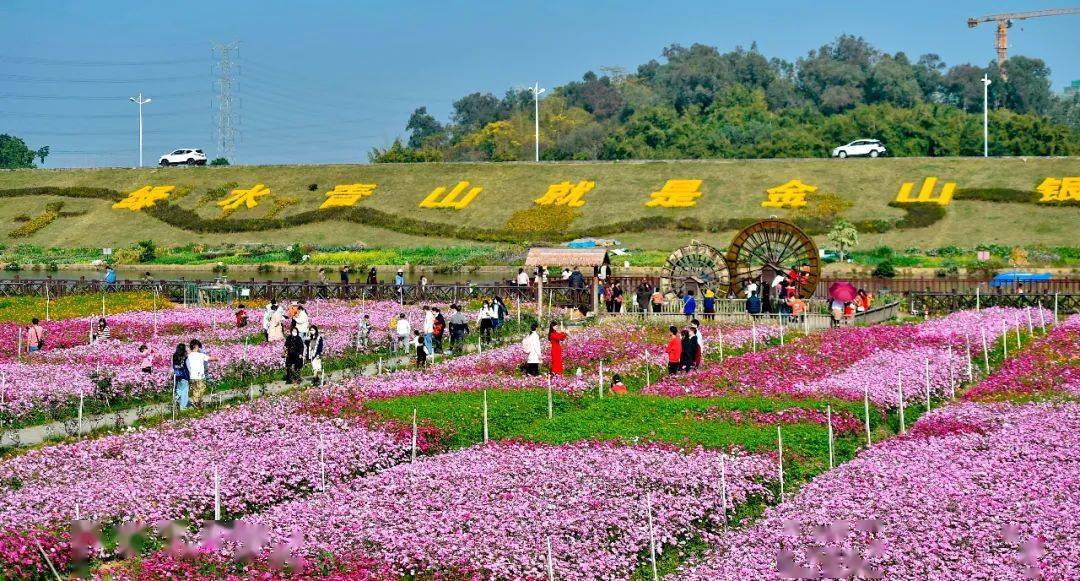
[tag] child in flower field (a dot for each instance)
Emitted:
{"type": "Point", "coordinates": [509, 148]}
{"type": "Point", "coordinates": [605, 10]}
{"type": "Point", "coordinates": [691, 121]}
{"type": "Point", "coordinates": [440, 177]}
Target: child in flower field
{"type": "Point", "coordinates": [241, 317]}
{"type": "Point", "coordinates": [420, 349]}
{"type": "Point", "coordinates": [314, 354]}
{"type": "Point", "coordinates": [102, 333]}
{"type": "Point", "coordinates": [363, 332]}
{"type": "Point", "coordinates": [617, 386]}
{"type": "Point", "coordinates": [146, 363]}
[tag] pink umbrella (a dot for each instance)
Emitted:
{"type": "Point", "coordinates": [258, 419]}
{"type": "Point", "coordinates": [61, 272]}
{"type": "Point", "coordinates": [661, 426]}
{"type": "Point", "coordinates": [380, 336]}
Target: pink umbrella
{"type": "Point", "coordinates": [843, 291]}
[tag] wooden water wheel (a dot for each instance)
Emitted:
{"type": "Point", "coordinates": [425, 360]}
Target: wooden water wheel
{"type": "Point", "coordinates": [695, 266]}
{"type": "Point", "coordinates": [770, 247]}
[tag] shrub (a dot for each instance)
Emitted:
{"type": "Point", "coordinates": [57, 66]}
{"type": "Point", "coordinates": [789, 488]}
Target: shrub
{"type": "Point", "coordinates": [296, 253]}
{"type": "Point", "coordinates": [313, 187]}
{"type": "Point", "coordinates": [147, 250]}
{"type": "Point", "coordinates": [52, 212]}
{"type": "Point", "coordinates": [21, 218]}
{"type": "Point", "coordinates": [884, 270]}
{"type": "Point", "coordinates": [919, 214]}
{"type": "Point", "coordinates": [219, 161]}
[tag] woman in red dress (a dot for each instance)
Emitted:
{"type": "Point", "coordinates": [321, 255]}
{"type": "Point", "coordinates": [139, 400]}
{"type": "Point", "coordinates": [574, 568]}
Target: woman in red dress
{"type": "Point", "coordinates": [556, 337]}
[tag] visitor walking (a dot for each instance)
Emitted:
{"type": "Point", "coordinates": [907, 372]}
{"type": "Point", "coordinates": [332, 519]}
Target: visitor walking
{"type": "Point", "coordinates": [709, 303]}
{"type": "Point", "coordinates": [275, 329]}
{"type": "Point", "coordinates": [689, 350]}
{"type": "Point", "coordinates": [695, 325]}
{"type": "Point", "coordinates": [674, 350]}
{"type": "Point", "coordinates": [532, 347]}
{"type": "Point", "coordinates": [180, 376]}
{"type": "Point", "coordinates": [363, 332]}
{"type": "Point", "coordinates": [403, 331]}
{"type": "Point", "coordinates": [556, 337]}
{"type": "Point", "coordinates": [501, 311]}
{"type": "Point", "coordinates": [314, 354]}
{"type": "Point", "coordinates": [439, 328]}
{"type": "Point", "coordinates": [459, 326]}
{"type": "Point", "coordinates": [110, 276]}
{"type": "Point", "coordinates": [372, 276]}
{"type": "Point", "coordinates": [344, 273]}
{"type": "Point", "coordinates": [485, 319]}
{"type": "Point", "coordinates": [657, 300]}
{"type": "Point", "coordinates": [616, 303]}
{"type": "Point", "coordinates": [301, 320]}
{"type": "Point", "coordinates": [689, 305]}
{"type": "Point", "coordinates": [643, 293]}
{"type": "Point", "coordinates": [294, 355]}
{"type": "Point", "coordinates": [522, 278]}
{"type": "Point", "coordinates": [753, 304]}
{"type": "Point", "coordinates": [429, 329]}
{"type": "Point", "coordinates": [196, 367]}
{"type": "Point", "coordinates": [419, 349]}
{"type": "Point", "coordinates": [35, 336]}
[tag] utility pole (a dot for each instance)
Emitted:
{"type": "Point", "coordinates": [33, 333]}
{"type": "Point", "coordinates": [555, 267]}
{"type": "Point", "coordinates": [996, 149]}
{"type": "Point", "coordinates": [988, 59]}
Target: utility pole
{"type": "Point", "coordinates": [140, 102]}
{"type": "Point", "coordinates": [986, 122]}
{"type": "Point", "coordinates": [225, 70]}
{"type": "Point", "coordinates": [536, 91]}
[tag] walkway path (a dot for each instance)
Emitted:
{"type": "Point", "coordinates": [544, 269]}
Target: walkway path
{"type": "Point", "coordinates": [32, 435]}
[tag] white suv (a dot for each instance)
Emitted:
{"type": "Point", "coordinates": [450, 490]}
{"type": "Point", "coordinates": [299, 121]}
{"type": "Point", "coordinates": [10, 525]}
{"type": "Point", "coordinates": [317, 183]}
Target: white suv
{"type": "Point", "coordinates": [867, 147]}
{"type": "Point", "coordinates": [188, 156]}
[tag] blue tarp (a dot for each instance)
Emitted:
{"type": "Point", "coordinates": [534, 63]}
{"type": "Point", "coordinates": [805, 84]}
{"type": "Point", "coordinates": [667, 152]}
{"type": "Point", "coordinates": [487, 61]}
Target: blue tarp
{"type": "Point", "coordinates": [582, 244]}
{"type": "Point", "coordinates": [1016, 276]}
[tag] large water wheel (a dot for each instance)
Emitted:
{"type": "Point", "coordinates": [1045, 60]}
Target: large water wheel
{"type": "Point", "coordinates": [770, 247]}
{"type": "Point", "coordinates": [695, 266]}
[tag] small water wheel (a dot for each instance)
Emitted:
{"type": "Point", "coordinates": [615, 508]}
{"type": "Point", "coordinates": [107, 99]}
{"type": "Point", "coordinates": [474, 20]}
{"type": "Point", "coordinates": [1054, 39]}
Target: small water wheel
{"type": "Point", "coordinates": [695, 266]}
{"type": "Point", "coordinates": [770, 247]}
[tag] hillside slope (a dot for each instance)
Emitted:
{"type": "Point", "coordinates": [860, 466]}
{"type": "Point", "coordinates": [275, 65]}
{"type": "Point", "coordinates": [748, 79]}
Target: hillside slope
{"type": "Point", "coordinates": [731, 191]}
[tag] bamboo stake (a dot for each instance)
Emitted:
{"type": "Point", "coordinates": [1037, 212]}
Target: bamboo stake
{"type": "Point", "coordinates": [723, 487]}
{"type": "Point", "coordinates": [828, 415]}
{"type": "Point", "coordinates": [866, 413]}
{"type": "Point", "coordinates": [551, 407]}
{"type": "Point", "coordinates": [780, 457]}
{"type": "Point", "coordinates": [1016, 324]}
{"type": "Point", "coordinates": [986, 353]}
{"type": "Point", "coordinates": [967, 355]}
{"type": "Point", "coordinates": [927, 384]}
{"type": "Point", "coordinates": [1031, 327]}
{"type": "Point", "coordinates": [600, 386]}
{"type": "Point", "coordinates": [412, 458]}
{"type": "Point", "coordinates": [1004, 341]}
{"type": "Point", "coordinates": [485, 417]}
{"type": "Point", "coordinates": [720, 339]}
{"type": "Point", "coordinates": [47, 560]}
{"type": "Point", "coordinates": [80, 424]}
{"type": "Point", "coordinates": [217, 494]}
{"type": "Point", "coordinates": [900, 391]}
{"type": "Point", "coordinates": [652, 537]}
{"type": "Point", "coordinates": [550, 562]}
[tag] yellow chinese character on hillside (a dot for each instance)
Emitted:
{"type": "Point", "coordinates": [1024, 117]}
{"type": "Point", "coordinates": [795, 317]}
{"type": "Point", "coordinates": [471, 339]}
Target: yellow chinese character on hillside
{"type": "Point", "coordinates": [144, 197]}
{"type": "Point", "coordinates": [1059, 190]}
{"type": "Point", "coordinates": [346, 195]}
{"type": "Point", "coordinates": [789, 195]}
{"type": "Point", "coordinates": [453, 199]}
{"type": "Point", "coordinates": [566, 194]}
{"type": "Point", "coordinates": [926, 192]}
{"type": "Point", "coordinates": [250, 198]}
{"type": "Point", "coordinates": [676, 194]}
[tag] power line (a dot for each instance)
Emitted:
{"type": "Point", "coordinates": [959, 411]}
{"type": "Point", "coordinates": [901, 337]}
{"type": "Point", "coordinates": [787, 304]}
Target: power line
{"type": "Point", "coordinates": [33, 79]}
{"type": "Point", "coordinates": [228, 57]}
{"type": "Point", "coordinates": [180, 113]}
{"type": "Point", "coordinates": [92, 97]}
{"type": "Point", "coordinates": [87, 63]}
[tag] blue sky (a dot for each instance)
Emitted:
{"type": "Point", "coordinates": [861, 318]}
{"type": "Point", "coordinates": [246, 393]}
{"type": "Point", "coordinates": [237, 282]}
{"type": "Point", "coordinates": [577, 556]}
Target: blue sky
{"type": "Point", "coordinates": [323, 82]}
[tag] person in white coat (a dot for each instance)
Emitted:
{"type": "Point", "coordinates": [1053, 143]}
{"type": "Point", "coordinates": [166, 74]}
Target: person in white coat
{"type": "Point", "coordinates": [429, 329]}
{"type": "Point", "coordinates": [531, 345]}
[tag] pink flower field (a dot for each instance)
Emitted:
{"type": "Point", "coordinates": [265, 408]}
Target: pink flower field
{"type": "Point", "coordinates": [975, 491]}
{"type": "Point", "coordinates": [489, 510]}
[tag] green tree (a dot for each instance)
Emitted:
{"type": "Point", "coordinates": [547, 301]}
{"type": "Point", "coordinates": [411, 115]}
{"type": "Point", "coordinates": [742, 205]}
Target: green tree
{"type": "Point", "coordinates": [843, 235]}
{"type": "Point", "coordinates": [422, 127]}
{"type": "Point", "coordinates": [219, 161]}
{"type": "Point", "coordinates": [14, 153]}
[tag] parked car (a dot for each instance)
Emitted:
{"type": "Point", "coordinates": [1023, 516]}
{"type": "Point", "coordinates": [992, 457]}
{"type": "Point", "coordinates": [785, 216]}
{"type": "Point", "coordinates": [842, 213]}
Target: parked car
{"type": "Point", "coordinates": [184, 156]}
{"type": "Point", "coordinates": [860, 147]}
{"type": "Point", "coordinates": [828, 256]}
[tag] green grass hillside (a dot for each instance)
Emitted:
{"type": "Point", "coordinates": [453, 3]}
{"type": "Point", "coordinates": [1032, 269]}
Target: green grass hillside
{"type": "Point", "coordinates": [732, 191]}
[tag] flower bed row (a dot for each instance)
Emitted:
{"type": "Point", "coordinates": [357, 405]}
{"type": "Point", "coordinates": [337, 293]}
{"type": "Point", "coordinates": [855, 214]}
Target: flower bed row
{"type": "Point", "coordinates": [1050, 364]}
{"type": "Point", "coordinates": [489, 511]}
{"type": "Point", "coordinates": [975, 491]}
{"type": "Point", "coordinates": [265, 453]}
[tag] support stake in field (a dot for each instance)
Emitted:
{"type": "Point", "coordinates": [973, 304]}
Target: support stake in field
{"type": "Point", "coordinates": [866, 413]}
{"type": "Point", "coordinates": [550, 402]}
{"type": "Point", "coordinates": [550, 562]}
{"type": "Point", "coordinates": [720, 343]}
{"type": "Point", "coordinates": [828, 416]}
{"type": "Point", "coordinates": [600, 386]}
{"type": "Point", "coordinates": [485, 417]}
{"type": "Point", "coordinates": [1004, 341]}
{"type": "Point", "coordinates": [1016, 325]}
{"type": "Point", "coordinates": [652, 536]}
{"type": "Point", "coordinates": [1042, 317]}
{"type": "Point", "coordinates": [217, 494]}
{"type": "Point", "coordinates": [927, 372]}
{"type": "Point", "coordinates": [1031, 327]}
{"type": "Point", "coordinates": [412, 457]}
{"type": "Point", "coordinates": [780, 458]}
{"type": "Point", "coordinates": [80, 424]}
{"type": "Point", "coordinates": [986, 352]}
{"type": "Point", "coordinates": [900, 392]}
{"type": "Point", "coordinates": [723, 488]}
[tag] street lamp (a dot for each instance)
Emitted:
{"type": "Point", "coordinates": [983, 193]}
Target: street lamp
{"type": "Point", "coordinates": [140, 102]}
{"type": "Point", "coordinates": [986, 125]}
{"type": "Point", "coordinates": [536, 90]}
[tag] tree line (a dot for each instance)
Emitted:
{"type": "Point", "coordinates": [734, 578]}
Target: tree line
{"type": "Point", "coordinates": [701, 103]}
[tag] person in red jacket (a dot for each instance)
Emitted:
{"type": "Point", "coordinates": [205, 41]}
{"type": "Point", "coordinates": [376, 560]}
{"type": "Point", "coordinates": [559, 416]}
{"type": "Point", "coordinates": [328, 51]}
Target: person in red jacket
{"type": "Point", "coordinates": [674, 350]}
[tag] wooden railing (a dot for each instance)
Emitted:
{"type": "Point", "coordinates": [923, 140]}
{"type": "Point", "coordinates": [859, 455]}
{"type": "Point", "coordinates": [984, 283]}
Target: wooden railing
{"type": "Point", "coordinates": [923, 303]}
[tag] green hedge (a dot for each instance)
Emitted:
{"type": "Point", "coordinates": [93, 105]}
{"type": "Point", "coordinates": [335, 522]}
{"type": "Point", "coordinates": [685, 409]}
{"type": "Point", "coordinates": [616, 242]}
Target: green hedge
{"type": "Point", "coordinates": [1007, 196]}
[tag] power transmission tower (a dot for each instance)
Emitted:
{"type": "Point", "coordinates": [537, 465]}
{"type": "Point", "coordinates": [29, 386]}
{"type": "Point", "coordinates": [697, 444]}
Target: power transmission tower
{"type": "Point", "coordinates": [225, 72]}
